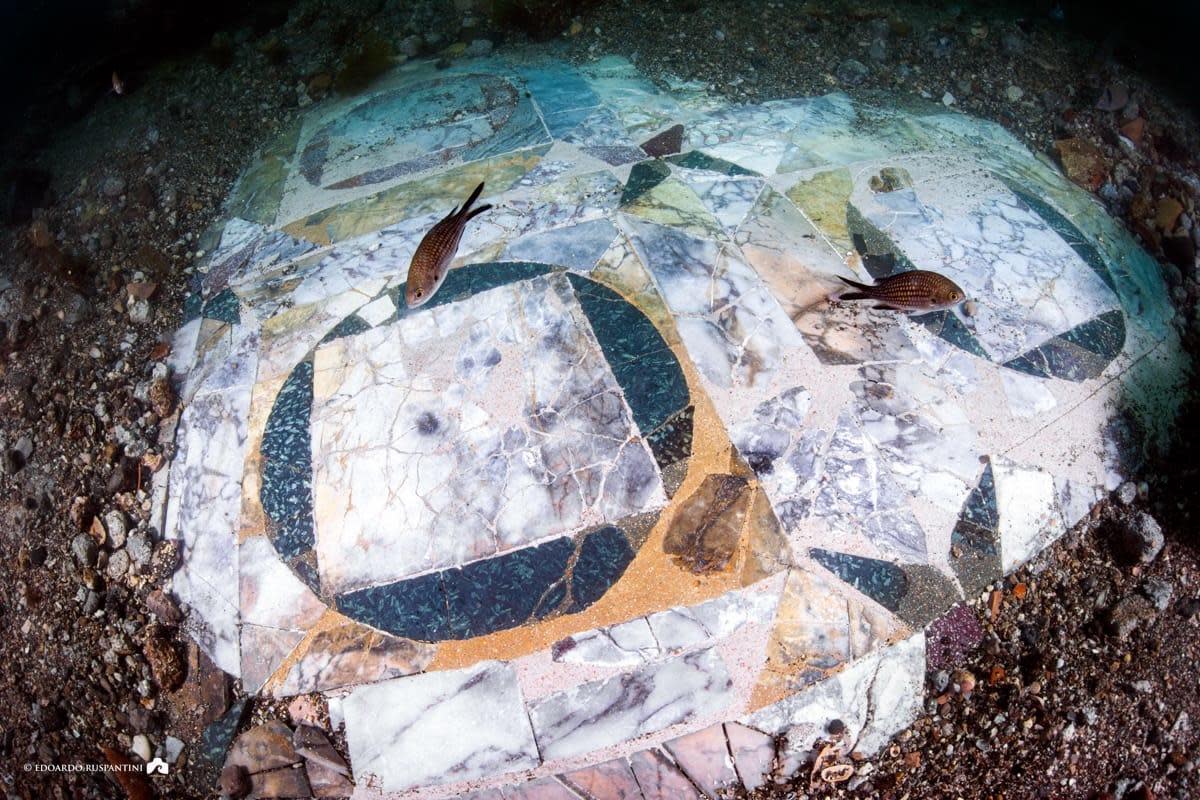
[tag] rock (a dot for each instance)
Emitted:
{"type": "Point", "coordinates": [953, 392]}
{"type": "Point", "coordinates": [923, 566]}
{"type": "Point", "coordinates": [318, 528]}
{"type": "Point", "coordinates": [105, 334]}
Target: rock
{"type": "Point", "coordinates": [81, 512]}
{"type": "Point", "coordinates": [1167, 213]}
{"type": "Point", "coordinates": [280, 783]}
{"type": "Point", "coordinates": [410, 46]}
{"type": "Point", "coordinates": [205, 694]}
{"type": "Point", "coordinates": [1127, 492]}
{"type": "Point", "coordinates": [1014, 93]}
{"type": "Point", "coordinates": [1159, 592]}
{"type": "Point", "coordinates": [141, 747]}
{"type": "Point", "coordinates": [165, 559]}
{"type": "Point", "coordinates": [129, 776]}
{"type": "Point", "coordinates": [165, 663]}
{"type": "Point", "coordinates": [851, 72]}
{"type": "Point", "coordinates": [118, 565]}
{"type": "Point", "coordinates": [315, 747]}
{"type": "Point", "coordinates": [234, 781]}
{"type": "Point", "coordinates": [1083, 162]}
{"type": "Point", "coordinates": [1128, 614]}
{"type": "Point", "coordinates": [877, 50]}
{"type": "Point", "coordinates": [163, 606]}
{"type": "Point", "coordinates": [478, 48]}
{"type": "Point", "coordinates": [115, 527]}
{"type": "Point", "coordinates": [1134, 130]}
{"type": "Point", "coordinates": [1136, 538]}
{"type": "Point", "coordinates": [327, 783]}
{"type": "Point", "coordinates": [172, 749]}
{"type": "Point", "coordinates": [139, 311]}
{"type": "Point", "coordinates": [948, 99]}
{"type": "Point", "coordinates": [141, 551]}
{"type": "Point", "coordinates": [162, 398]}
{"type": "Point", "coordinates": [941, 681]}
{"type": "Point", "coordinates": [1114, 98]}
{"type": "Point", "coordinates": [264, 747]}
{"type": "Point", "coordinates": [112, 186]}
{"type": "Point", "coordinates": [84, 550]}
{"type": "Point", "coordinates": [141, 290]}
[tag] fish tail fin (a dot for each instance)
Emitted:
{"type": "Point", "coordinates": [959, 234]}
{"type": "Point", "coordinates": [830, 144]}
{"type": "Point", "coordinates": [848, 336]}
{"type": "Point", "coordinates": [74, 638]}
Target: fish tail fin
{"type": "Point", "coordinates": [467, 205]}
{"type": "Point", "coordinates": [476, 211]}
{"type": "Point", "coordinates": [855, 284]}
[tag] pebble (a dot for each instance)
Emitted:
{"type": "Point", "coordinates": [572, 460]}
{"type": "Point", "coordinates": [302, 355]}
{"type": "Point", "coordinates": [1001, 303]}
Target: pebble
{"type": "Point", "coordinates": [851, 72]}
{"type": "Point", "coordinates": [115, 527]}
{"type": "Point", "coordinates": [84, 550]}
{"type": "Point", "coordinates": [139, 547]}
{"type": "Point", "coordinates": [1137, 538]}
{"type": "Point", "coordinates": [948, 99]}
{"type": "Point", "coordinates": [1127, 492]}
{"type": "Point", "coordinates": [941, 681]}
{"type": "Point", "coordinates": [478, 48]}
{"type": "Point", "coordinates": [165, 663]}
{"type": "Point", "coordinates": [112, 186]}
{"type": "Point", "coordinates": [163, 606]}
{"type": "Point", "coordinates": [1014, 93]}
{"type": "Point", "coordinates": [141, 747]}
{"type": "Point", "coordinates": [118, 565]}
{"type": "Point", "coordinates": [1128, 614]}
{"type": "Point", "coordinates": [1159, 592]}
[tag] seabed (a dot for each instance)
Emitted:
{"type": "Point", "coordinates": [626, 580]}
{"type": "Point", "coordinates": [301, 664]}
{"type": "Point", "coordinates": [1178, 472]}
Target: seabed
{"type": "Point", "coordinates": [630, 498]}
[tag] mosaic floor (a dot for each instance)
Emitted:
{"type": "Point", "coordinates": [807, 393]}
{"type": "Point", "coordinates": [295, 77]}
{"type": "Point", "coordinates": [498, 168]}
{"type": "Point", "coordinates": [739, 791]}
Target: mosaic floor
{"type": "Point", "coordinates": [630, 496]}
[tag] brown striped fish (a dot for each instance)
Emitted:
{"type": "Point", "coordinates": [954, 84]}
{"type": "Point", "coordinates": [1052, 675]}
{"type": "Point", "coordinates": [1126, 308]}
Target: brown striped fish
{"type": "Point", "coordinates": [916, 290]}
{"type": "Point", "coordinates": [431, 261]}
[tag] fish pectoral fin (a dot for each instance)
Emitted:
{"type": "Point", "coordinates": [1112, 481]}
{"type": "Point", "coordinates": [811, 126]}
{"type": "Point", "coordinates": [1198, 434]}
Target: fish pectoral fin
{"type": "Point", "coordinates": [886, 307]}
{"type": "Point", "coordinates": [853, 296]}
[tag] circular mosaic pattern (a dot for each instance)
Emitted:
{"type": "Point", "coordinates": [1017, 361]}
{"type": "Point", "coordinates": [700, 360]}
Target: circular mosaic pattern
{"type": "Point", "coordinates": [431, 565]}
{"type": "Point", "coordinates": [417, 127]}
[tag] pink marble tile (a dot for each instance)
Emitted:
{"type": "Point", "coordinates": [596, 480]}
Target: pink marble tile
{"type": "Point", "coordinates": [753, 754]}
{"type": "Point", "coordinates": [659, 778]}
{"type": "Point", "coordinates": [541, 789]}
{"type": "Point", "coordinates": [612, 780]}
{"type": "Point", "coordinates": [705, 758]}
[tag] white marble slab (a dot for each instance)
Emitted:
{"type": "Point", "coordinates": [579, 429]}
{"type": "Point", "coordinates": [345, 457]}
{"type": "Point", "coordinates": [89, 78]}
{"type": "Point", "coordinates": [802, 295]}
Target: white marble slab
{"type": "Point", "coordinates": [466, 430]}
{"type": "Point", "coordinates": [603, 713]}
{"type": "Point", "coordinates": [439, 727]}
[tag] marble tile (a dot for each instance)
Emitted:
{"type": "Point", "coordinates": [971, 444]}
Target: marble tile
{"type": "Point", "coordinates": [660, 778]}
{"type": "Point", "coordinates": [1027, 507]}
{"type": "Point", "coordinates": [875, 698]}
{"type": "Point", "coordinates": [263, 650]}
{"type": "Point", "coordinates": [467, 417]}
{"type": "Point", "coordinates": [603, 713]}
{"type": "Point", "coordinates": [610, 780]}
{"type": "Point", "coordinates": [541, 789]}
{"type": "Point", "coordinates": [819, 629]}
{"type": "Point", "coordinates": [753, 754]}
{"type": "Point", "coordinates": [437, 728]}
{"type": "Point", "coordinates": [704, 757]}
{"type": "Point", "coordinates": [351, 654]}
{"type": "Point", "coordinates": [578, 247]}
{"type": "Point", "coordinates": [857, 492]}
{"type": "Point", "coordinates": [270, 593]}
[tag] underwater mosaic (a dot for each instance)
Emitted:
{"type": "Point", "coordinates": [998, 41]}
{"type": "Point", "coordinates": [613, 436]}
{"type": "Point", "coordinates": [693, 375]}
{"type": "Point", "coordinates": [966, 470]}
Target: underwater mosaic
{"type": "Point", "coordinates": [634, 489]}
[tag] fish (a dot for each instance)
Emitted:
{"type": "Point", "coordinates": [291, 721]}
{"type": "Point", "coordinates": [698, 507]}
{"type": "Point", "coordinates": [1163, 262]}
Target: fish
{"type": "Point", "coordinates": [915, 290]}
{"type": "Point", "coordinates": [118, 85]}
{"type": "Point", "coordinates": [433, 255]}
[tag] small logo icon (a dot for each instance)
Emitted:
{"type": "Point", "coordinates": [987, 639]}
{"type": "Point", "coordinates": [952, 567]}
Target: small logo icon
{"type": "Point", "coordinates": [159, 766]}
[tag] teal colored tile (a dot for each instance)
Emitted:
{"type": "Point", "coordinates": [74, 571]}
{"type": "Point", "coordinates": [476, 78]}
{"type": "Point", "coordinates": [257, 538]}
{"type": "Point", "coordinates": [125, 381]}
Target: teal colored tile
{"type": "Point", "coordinates": [642, 178]}
{"type": "Point", "coordinates": [645, 367]}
